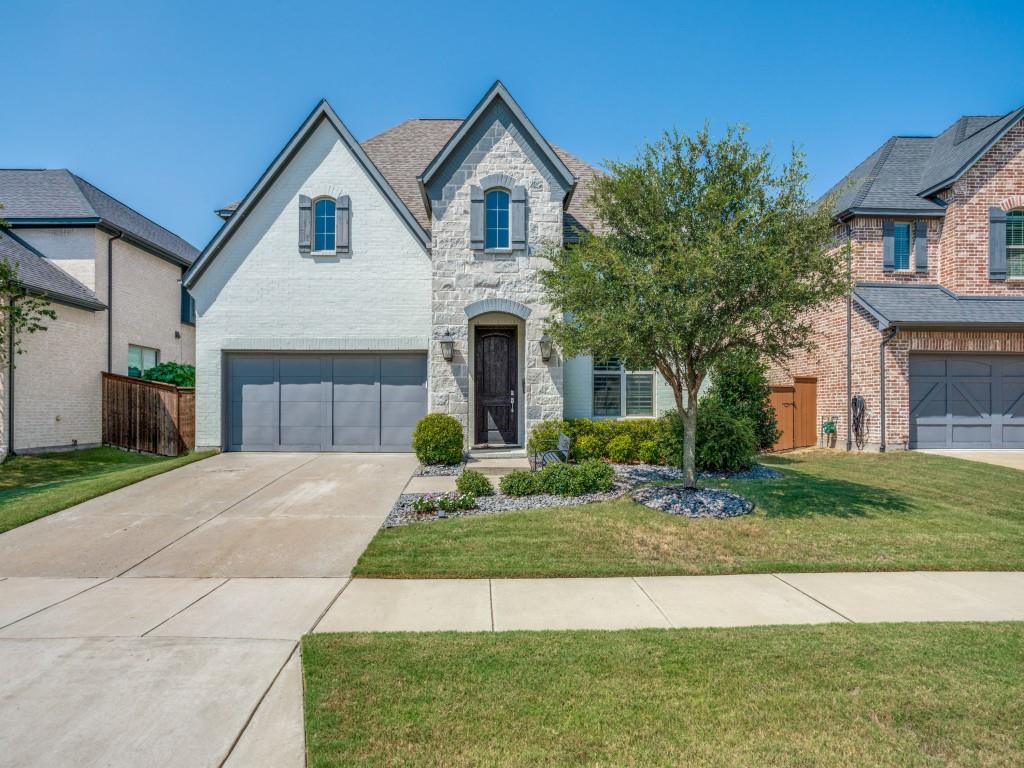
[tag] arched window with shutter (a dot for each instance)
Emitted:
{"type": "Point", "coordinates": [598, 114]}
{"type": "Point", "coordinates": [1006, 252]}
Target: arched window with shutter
{"type": "Point", "coordinates": [324, 228]}
{"type": "Point", "coordinates": [497, 219]}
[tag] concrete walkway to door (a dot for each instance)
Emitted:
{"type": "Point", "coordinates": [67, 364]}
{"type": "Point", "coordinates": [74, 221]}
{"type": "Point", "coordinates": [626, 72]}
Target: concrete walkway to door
{"type": "Point", "coordinates": [158, 625]}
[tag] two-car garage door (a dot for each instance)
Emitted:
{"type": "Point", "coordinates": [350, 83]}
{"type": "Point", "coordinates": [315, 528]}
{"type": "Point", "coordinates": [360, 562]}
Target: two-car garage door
{"type": "Point", "coordinates": [966, 401]}
{"type": "Point", "coordinates": [332, 402]}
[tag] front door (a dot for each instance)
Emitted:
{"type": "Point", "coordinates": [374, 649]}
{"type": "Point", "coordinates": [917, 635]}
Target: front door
{"type": "Point", "coordinates": [495, 378]}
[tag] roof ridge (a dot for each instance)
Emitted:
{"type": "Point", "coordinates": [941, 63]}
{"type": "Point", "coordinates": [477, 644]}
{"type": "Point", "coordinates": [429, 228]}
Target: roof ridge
{"type": "Point", "coordinates": [961, 133]}
{"type": "Point", "coordinates": [875, 169]}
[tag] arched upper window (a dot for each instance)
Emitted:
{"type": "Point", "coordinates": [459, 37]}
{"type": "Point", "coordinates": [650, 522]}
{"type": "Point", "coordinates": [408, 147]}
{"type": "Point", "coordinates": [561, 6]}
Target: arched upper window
{"type": "Point", "coordinates": [1015, 244]}
{"type": "Point", "coordinates": [497, 219]}
{"type": "Point", "coordinates": [324, 224]}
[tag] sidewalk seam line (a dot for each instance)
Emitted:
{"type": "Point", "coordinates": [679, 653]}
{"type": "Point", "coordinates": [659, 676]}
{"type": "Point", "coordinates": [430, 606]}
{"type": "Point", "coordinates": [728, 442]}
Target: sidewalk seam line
{"type": "Point", "coordinates": [330, 605]}
{"type": "Point", "coordinates": [654, 603]}
{"type": "Point", "coordinates": [259, 703]}
{"type": "Point", "coordinates": [51, 605]}
{"type": "Point", "coordinates": [230, 506]}
{"type": "Point", "coordinates": [490, 598]}
{"type": "Point", "coordinates": [812, 597]}
{"type": "Point", "coordinates": [176, 613]}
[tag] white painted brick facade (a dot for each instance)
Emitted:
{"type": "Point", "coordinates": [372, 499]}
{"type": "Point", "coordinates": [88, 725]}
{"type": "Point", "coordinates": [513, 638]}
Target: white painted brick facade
{"type": "Point", "coordinates": [260, 293]}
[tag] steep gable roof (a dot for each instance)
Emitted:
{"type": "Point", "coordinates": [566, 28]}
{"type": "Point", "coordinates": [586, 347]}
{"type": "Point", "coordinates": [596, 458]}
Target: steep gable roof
{"type": "Point", "coordinates": [321, 113]}
{"type": "Point", "coordinates": [497, 92]}
{"type": "Point", "coordinates": [41, 197]}
{"type": "Point", "coordinates": [38, 275]}
{"type": "Point", "coordinates": [903, 175]}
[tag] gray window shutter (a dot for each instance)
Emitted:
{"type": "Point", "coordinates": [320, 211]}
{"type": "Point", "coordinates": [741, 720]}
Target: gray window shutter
{"type": "Point", "coordinates": [921, 245]}
{"type": "Point", "coordinates": [305, 224]}
{"type": "Point", "coordinates": [518, 218]}
{"type": "Point", "coordinates": [888, 247]}
{"type": "Point", "coordinates": [476, 218]}
{"type": "Point", "coordinates": [997, 244]}
{"type": "Point", "coordinates": [343, 225]}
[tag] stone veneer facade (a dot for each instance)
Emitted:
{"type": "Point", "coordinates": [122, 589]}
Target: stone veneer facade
{"type": "Point", "coordinates": [957, 258]}
{"type": "Point", "coordinates": [496, 152]}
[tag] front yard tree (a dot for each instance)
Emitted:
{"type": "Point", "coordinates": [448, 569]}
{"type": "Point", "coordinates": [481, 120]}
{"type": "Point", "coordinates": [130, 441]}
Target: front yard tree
{"type": "Point", "coordinates": [705, 248]}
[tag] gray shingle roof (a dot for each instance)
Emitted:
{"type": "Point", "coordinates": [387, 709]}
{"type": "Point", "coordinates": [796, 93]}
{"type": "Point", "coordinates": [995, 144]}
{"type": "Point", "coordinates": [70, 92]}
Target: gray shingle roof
{"type": "Point", "coordinates": [903, 173]}
{"type": "Point", "coordinates": [38, 275]}
{"type": "Point", "coordinates": [40, 194]}
{"type": "Point", "coordinates": [403, 151]}
{"type": "Point", "coordinates": [921, 305]}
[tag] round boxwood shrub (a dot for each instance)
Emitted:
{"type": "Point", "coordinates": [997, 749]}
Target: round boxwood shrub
{"type": "Point", "coordinates": [437, 439]}
{"type": "Point", "coordinates": [474, 482]}
{"type": "Point", "coordinates": [544, 436]}
{"type": "Point", "coordinates": [521, 482]}
{"type": "Point", "coordinates": [587, 447]}
{"type": "Point", "coordinates": [619, 449]}
{"type": "Point", "coordinates": [670, 438]}
{"type": "Point", "coordinates": [648, 452]}
{"type": "Point", "coordinates": [725, 443]}
{"type": "Point", "coordinates": [592, 476]}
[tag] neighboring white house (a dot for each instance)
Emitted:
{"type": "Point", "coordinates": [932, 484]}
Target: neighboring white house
{"type": "Point", "coordinates": [114, 279]}
{"type": "Point", "coordinates": [357, 286]}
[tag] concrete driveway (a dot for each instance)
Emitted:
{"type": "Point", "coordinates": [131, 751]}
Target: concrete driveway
{"type": "Point", "coordinates": [1013, 459]}
{"type": "Point", "coordinates": [158, 625]}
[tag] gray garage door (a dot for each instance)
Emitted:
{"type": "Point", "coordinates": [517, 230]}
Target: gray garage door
{"type": "Point", "coordinates": [966, 401]}
{"type": "Point", "coordinates": [342, 402]}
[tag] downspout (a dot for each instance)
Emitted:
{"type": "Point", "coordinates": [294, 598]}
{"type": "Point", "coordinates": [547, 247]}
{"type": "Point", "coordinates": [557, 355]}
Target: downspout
{"type": "Point", "coordinates": [110, 301]}
{"type": "Point", "coordinates": [849, 348]}
{"type": "Point", "coordinates": [10, 379]}
{"type": "Point", "coordinates": [887, 336]}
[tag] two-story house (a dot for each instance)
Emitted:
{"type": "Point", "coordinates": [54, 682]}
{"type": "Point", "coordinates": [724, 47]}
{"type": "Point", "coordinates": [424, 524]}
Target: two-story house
{"type": "Point", "coordinates": [359, 285]}
{"type": "Point", "coordinates": [930, 344]}
{"type": "Point", "coordinates": [113, 277]}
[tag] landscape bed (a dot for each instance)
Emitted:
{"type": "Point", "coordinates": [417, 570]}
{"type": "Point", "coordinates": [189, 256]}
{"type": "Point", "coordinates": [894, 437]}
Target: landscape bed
{"type": "Point", "coordinates": [872, 696]}
{"type": "Point", "coordinates": [830, 511]}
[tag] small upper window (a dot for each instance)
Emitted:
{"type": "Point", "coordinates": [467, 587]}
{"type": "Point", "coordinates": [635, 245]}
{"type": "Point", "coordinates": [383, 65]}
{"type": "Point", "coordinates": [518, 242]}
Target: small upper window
{"type": "Point", "coordinates": [497, 219]}
{"type": "Point", "coordinates": [1015, 244]}
{"type": "Point", "coordinates": [901, 246]}
{"type": "Point", "coordinates": [141, 359]}
{"type": "Point", "coordinates": [323, 218]}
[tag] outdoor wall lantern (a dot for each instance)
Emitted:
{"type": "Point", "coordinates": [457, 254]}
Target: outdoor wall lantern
{"type": "Point", "coordinates": [545, 347]}
{"type": "Point", "coordinates": [447, 346]}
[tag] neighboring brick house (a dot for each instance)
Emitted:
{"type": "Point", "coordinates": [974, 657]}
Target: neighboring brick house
{"type": "Point", "coordinates": [114, 279]}
{"type": "Point", "coordinates": [935, 226]}
{"type": "Point", "coordinates": [357, 286]}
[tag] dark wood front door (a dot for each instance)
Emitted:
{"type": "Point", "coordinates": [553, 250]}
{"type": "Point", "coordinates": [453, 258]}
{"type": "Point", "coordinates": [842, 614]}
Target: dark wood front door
{"type": "Point", "coordinates": [495, 378]}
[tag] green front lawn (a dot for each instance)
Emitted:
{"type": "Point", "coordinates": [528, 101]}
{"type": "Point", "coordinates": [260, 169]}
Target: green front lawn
{"type": "Point", "coordinates": [33, 486]}
{"type": "Point", "coordinates": [834, 695]}
{"type": "Point", "coordinates": [832, 511]}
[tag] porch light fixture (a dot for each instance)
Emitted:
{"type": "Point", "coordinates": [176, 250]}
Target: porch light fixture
{"type": "Point", "coordinates": [545, 347]}
{"type": "Point", "coordinates": [447, 346]}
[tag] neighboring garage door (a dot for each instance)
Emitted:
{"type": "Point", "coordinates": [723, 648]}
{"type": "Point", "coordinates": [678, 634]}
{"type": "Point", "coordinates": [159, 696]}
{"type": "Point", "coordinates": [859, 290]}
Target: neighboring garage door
{"type": "Point", "coordinates": [966, 401]}
{"type": "Point", "coordinates": [341, 402]}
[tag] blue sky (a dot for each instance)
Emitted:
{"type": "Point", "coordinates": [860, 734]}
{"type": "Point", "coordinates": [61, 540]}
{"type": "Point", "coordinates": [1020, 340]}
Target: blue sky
{"type": "Point", "coordinates": [177, 107]}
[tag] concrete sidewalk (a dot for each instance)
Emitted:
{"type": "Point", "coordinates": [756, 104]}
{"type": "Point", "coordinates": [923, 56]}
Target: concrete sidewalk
{"type": "Point", "coordinates": [379, 605]}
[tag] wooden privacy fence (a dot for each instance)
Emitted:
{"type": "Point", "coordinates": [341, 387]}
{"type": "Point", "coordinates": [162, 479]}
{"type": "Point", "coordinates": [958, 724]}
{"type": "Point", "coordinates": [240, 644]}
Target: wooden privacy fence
{"type": "Point", "coordinates": [148, 416]}
{"type": "Point", "coordinates": [796, 413]}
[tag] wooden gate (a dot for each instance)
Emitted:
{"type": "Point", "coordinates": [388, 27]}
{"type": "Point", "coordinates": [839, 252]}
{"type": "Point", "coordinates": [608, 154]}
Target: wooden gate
{"type": "Point", "coordinates": [796, 412]}
{"type": "Point", "coordinates": [148, 416]}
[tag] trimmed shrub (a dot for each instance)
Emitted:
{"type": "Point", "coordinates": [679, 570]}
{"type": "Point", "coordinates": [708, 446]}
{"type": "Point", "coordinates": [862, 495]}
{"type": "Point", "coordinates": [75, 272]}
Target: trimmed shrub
{"type": "Point", "coordinates": [172, 373]}
{"type": "Point", "coordinates": [670, 438]}
{"type": "Point", "coordinates": [587, 447]}
{"type": "Point", "coordinates": [521, 482]}
{"type": "Point", "coordinates": [544, 436]}
{"type": "Point", "coordinates": [437, 439]}
{"type": "Point", "coordinates": [724, 443]}
{"type": "Point", "coordinates": [474, 482]}
{"type": "Point", "coordinates": [740, 385]}
{"type": "Point", "coordinates": [648, 452]}
{"type": "Point", "coordinates": [591, 476]}
{"type": "Point", "coordinates": [620, 449]}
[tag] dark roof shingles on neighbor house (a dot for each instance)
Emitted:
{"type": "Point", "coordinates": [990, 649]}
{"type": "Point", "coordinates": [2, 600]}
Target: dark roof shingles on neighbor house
{"type": "Point", "coordinates": [38, 275]}
{"type": "Point", "coordinates": [934, 305]}
{"type": "Point", "coordinates": [402, 152]}
{"type": "Point", "coordinates": [902, 174]}
{"type": "Point", "coordinates": [30, 195]}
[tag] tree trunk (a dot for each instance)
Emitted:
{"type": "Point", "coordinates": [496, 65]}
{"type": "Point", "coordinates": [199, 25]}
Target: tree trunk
{"type": "Point", "coordinates": [690, 443]}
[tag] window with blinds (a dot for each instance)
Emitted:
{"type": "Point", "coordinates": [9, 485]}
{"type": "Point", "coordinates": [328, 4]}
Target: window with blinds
{"type": "Point", "coordinates": [618, 392]}
{"type": "Point", "coordinates": [1015, 244]}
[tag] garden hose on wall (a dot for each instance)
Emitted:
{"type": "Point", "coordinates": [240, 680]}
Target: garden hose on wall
{"type": "Point", "coordinates": [857, 407]}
